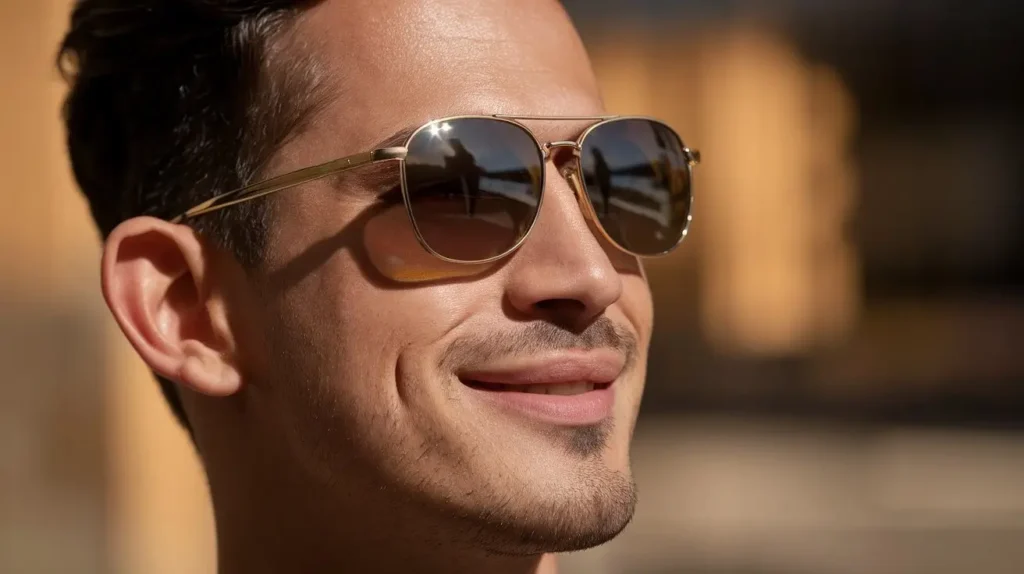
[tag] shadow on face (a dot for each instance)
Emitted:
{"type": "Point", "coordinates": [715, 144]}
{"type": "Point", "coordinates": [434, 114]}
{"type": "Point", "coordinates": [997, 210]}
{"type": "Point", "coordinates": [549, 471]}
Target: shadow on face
{"type": "Point", "coordinates": [382, 241]}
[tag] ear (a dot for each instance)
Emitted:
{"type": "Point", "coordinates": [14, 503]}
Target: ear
{"type": "Point", "coordinates": [156, 280]}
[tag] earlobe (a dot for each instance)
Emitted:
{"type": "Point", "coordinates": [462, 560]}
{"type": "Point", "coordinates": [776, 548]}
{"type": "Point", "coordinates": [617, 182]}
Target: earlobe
{"type": "Point", "coordinates": [154, 277]}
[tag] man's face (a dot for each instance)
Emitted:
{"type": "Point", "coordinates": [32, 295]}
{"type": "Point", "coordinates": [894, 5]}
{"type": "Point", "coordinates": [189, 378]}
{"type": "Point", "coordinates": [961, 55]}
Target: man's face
{"type": "Point", "coordinates": [371, 354]}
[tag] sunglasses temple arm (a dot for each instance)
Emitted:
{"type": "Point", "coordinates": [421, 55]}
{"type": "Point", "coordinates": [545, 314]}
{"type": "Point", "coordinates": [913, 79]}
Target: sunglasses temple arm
{"type": "Point", "coordinates": [292, 179]}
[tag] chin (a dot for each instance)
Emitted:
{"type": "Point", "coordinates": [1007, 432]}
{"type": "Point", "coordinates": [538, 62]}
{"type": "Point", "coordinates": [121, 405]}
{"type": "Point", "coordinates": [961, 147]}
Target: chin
{"type": "Point", "coordinates": [584, 515]}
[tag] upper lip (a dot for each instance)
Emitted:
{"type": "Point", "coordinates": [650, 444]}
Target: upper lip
{"type": "Point", "coordinates": [597, 366]}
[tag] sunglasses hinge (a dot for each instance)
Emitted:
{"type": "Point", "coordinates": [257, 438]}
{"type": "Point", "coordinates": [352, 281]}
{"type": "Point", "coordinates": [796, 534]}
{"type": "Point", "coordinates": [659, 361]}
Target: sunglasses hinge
{"type": "Point", "coordinates": [692, 156]}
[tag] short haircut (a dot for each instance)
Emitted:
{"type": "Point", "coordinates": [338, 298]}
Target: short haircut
{"type": "Point", "coordinates": [173, 101]}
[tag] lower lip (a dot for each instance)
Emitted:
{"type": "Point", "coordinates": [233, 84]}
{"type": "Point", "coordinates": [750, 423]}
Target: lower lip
{"type": "Point", "coordinates": [584, 409]}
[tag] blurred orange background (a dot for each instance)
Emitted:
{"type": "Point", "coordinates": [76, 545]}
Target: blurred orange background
{"type": "Point", "coordinates": [837, 377]}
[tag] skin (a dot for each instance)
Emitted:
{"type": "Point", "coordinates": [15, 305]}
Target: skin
{"type": "Point", "coordinates": [322, 386]}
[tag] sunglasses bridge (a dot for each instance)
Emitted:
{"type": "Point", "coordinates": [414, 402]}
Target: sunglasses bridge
{"type": "Point", "coordinates": [550, 148]}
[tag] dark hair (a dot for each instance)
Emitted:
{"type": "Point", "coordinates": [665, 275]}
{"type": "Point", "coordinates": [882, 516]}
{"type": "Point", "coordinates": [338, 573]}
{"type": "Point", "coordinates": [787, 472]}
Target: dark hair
{"type": "Point", "coordinates": [172, 101]}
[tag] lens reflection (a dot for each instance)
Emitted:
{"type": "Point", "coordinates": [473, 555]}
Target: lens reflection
{"type": "Point", "coordinates": [637, 178]}
{"type": "Point", "coordinates": [474, 186]}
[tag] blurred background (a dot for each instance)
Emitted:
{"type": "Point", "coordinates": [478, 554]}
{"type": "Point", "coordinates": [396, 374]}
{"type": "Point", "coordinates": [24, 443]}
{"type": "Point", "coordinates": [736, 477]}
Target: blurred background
{"type": "Point", "coordinates": [837, 377]}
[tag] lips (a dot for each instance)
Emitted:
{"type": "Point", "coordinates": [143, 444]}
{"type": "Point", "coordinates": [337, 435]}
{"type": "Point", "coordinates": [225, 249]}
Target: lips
{"type": "Point", "coordinates": [562, 389]}
{"type": "Point", "coordinates": [565, 388]}
{"type": "Point", "coordinates": [600, 366]}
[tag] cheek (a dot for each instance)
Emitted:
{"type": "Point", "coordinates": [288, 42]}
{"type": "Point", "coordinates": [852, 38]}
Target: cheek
{"type": "Point", "coordinates": [638, 307]}
{"type": "Point", "coordinates": [336, 359]}
{"type": "Point", "coordinates": [349, 331]}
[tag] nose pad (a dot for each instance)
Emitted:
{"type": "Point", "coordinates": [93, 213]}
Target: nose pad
{"type": "Point", "coordinates": [571, 174]}
{"type": "Point", "coordinates": [570, 171]}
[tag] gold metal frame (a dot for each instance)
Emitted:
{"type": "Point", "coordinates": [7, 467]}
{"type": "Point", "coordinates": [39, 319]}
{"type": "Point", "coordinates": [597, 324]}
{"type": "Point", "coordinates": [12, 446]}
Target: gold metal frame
{"type": "Point", "coordinates": [308, 174]}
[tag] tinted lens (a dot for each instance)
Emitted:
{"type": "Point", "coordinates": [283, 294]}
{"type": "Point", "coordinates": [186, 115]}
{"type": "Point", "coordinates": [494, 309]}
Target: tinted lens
{"type": "Point", "coordinates": [474, 186]}
{"type": "Point", "coordinates": [637, 176]}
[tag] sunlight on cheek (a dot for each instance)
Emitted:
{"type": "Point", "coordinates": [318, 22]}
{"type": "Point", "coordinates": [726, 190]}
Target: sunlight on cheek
{"type": "Point", "coordinates": [394, 251]}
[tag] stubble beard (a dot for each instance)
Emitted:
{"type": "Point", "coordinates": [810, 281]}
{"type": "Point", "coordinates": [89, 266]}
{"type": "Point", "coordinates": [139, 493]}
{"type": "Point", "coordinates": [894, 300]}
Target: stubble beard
{"type": "Point", "coordinates": [594, 508]}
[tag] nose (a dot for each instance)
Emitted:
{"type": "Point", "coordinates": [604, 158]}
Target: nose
{"type": "Point", "coordinates": [562, 273]}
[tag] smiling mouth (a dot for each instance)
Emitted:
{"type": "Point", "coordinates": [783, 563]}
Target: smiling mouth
{"type": "Point", "coordinates": [569, 388]}
{"type": "Point", "coordinates": [561, 389]}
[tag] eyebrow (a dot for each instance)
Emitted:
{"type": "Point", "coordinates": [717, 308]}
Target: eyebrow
{"type": "Point", "coordinates": [380, 177]}
{"type": "Point", "coordinates": [398, 138]}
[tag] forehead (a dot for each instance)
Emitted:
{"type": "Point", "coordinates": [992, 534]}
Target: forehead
{"type": "Point", "coordinates": [397, 64]}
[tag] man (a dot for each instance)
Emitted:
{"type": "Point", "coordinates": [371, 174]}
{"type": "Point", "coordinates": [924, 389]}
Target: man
{"type": "Point", "coordinates": [376, 380]}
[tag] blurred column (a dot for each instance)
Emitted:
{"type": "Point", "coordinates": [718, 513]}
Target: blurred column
{"type": "Point", "coordinates": [94, 474]}
{"type": "Point", "coordinates": [777, 271]}
{"type": "Point", "coordinates": [52, 453]}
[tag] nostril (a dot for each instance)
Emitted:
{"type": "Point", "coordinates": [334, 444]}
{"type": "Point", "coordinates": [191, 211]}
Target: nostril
{"type": "Point", "coordinates": [565, 312]}
{"type": "Point", "coordinates": [556, 304]}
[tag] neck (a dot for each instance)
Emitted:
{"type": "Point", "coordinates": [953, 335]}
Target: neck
{"type": "Point", "coordinates": [301, 548]}
{"type": "Point", "coordinates": [271, 533]}
{"type": "Point", "coordinates": [382, 560]}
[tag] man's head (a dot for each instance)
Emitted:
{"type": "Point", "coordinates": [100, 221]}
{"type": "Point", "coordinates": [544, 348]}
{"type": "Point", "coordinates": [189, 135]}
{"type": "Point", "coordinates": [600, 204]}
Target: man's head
{"type": "Point", "coordinates": [318, 379]}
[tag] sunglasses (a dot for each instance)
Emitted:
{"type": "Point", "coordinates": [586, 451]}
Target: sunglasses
{"type": "Point", "coordinates": [473, 185]}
